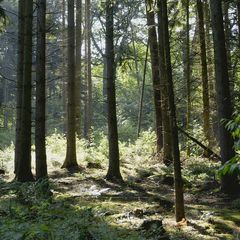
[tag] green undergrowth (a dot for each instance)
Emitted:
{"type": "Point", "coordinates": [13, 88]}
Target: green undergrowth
{"type": "Point", "coordinates": [71, 206]}
{"type": "Point", "coordinates": [28, 213]}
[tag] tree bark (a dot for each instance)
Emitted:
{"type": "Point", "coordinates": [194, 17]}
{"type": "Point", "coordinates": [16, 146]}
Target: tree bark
{"type": "Point", "coordinates": [205, 88]}
{"type": "Point", "coordinates": [89, 68]}
{"type": "Point", "coordinates": [178, 182]}
{"type": "Point", "coordinates": [21, 7]}
{"type": "Point", "coordinates": [228, 37]}
{"type": "Point", "coordinates": [187, 69]}
{"type": "Point", "coordinates": [167, 146]}
{"type": "Point", "coordinates": [24, 173]}
{"type": "Point", "coordinates": [78, 65]}
{"type": "Point", "coordinates": [113, 173]}
{"type": "Point", "coordinates": [224, 105]}
{"type": "Point", "coordinates": [142, 92]}
{"type": "Point", "coordinates": [40, 123]}
{"type": "Point", "coordinates": [71, 158]}
{"type": "Point", "coordinates": [153, 45]}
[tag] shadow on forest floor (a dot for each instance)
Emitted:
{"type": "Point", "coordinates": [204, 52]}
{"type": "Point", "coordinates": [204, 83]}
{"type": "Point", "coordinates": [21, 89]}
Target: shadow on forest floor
{"type": "Point", "coordinates": [83, 205]}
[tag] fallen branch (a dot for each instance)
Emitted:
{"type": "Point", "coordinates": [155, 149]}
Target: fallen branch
{"type": "Point", "coordinates": [209, 152]}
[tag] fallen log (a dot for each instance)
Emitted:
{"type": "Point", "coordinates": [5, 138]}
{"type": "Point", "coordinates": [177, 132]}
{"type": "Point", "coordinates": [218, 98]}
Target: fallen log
{"type": "Point", "coordinates": [210, 154]}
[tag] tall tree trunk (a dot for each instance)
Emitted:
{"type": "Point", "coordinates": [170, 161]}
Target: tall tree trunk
{"type": "Point", "coordinates": [113, 173]}
{"type": "Point", "coordinates": [78, 65]}
{"type": "Point", "coordinates": [153, 44]}
{"type": "Point", "coordinates": [225, 110]}
{"type": "Point", "coordinates": [205, 89]}
{"type": "Point", "coordinates": [228, 36]}
{"type": "Point", "coordinates": [178, 182]}
{"type": "Point", "coordinates": [64, 75]}
{"type": "Point", "coordinates": [211, 77]}
{"type": "Point", "coordinates": [89, 67]}
{"type": "Point", "coordinates": [187, 70]}
{"type": "Point", "coordinates": [167, 146]}
{"type": "Point", "coordinates": [21, 7]}
{"type": "Point", "coordinates": [24, 172]}
{"type": "Point", "coordinates": [86, 124]}
{"type": "Point", "coordinates": [71, 158]}
{"type": "Point", "coordinates": [142, 92]}
{"type": "Point", "coordinates": [40, 123]}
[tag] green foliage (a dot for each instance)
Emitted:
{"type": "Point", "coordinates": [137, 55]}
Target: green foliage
{"type": "Point", "coordinates": [233, 165]}
{"type": "Point", "coordinates": [7, 137]}
{"type": "Point", "coordinates": [29, 212]}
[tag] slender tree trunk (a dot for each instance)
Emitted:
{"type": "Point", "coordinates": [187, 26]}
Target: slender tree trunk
{"type": "Point", "coordinates": [205, 88]}
{"type": "Point", "coordinates": [86, 122]}
{"type": "Point", "coordinates": [211, 77]}
{"type": "Point", "coordinates": [113, 173]}
{"type": "Point", "coordinates": [78, 65]}
{"type": "Point", "coordinates": [225, 110]}
{"type": "Point", "coordinates": [24, 172]}
{"type": "Point", "coordinates": [64, 80]}
{"type": "Point", "coordinates": [228, 36]}
{"type": "Point", "coordinates": [142, 92]}
{"type": "Point", "coordinates": [178, 182]}
{"type": "Point", "coordinates": [5, 102]}
{"type": "Point", "coordinates": [40, 123]}
{"type": "Point", "coordinates": [89, 67]}
{"type": "Point", "coordinates": [135, 58]}
{"type": "Point", "coordinates": [21, 7]}
{"type": "Point", "coordinates": [153, 44]}
{"type": "Point", "coordinates": [71, 158]}
{"type": "Point", "coordinates": [187, 70]}
{"type": "Point", "coordinates": [167, 146]}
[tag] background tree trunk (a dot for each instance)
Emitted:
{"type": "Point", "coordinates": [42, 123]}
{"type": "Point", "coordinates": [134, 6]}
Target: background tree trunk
{"type": "Point", "coordinates": [78, 65]}
{"type": "Point", "coordinates": [153, 45]}
{"type": "Point", "coordinates": [205, 89]}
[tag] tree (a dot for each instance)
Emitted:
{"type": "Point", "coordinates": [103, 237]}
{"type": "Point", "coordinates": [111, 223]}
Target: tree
{"type": "Point", "coordinates": [178, 182]}
{"type": "Point", "coordinates": [205, 88]}
{"type": "Point", "coordinates": [113, 173]}
{"type": "Point", "coordinates": [71, 158]}
{"type": "Point", "coordinates": [187, 70]}
{"type": "Point", "coordinates": [153, 45]}
{"type": "Point", "coordinates": [78, 65]}
{"type": "Point", "coordinates": [224, 105]}
{"type": "Point", "coordinates": [88, 71]}
{"type": "Point", "coordinates": [167, 146]}
{"type": "Point", "coordinates": [24, 172]}
{"type": "Point", "coordinates": [20, 55]}
{"type": "Point", "coordinates": [40, 127]}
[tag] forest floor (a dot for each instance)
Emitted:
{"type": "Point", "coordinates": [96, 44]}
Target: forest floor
{"type": "Point", "coordinates": [81, 204]}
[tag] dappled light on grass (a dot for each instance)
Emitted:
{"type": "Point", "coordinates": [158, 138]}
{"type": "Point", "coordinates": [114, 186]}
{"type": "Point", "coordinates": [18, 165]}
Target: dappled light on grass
{"type": "Point", "coordinates": [84, 204]}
